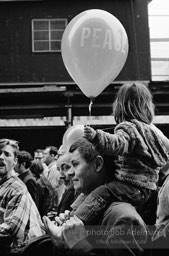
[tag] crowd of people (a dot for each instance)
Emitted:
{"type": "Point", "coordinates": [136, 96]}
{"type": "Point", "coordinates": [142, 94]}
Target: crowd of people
{"type": "Point", "coordinates": [103, 195]}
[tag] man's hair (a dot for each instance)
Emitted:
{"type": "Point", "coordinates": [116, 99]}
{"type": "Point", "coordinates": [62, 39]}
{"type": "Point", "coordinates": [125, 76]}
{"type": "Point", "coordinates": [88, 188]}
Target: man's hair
{"type": "Point", "coordinates": [133, 101]}
{"type": "Point", "coordinates": [12, 143]}
{"type": "Point", "coordinates": [39, 150]}
{"type": "Point", "coordinates": [52, 150]}
{"type": "Point", "coordinates": [85, 148]}
{"type": "Point", "coordinates": [89, 152]}
{"type": "Point", "coordinates": [24, 156]}
{"type": "Point", "coordinates": [63, 149]}
{"type": "Point", "coordinates": [36, 168]}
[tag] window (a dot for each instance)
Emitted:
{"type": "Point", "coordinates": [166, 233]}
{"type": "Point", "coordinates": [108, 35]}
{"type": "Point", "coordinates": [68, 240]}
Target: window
{"type": "Point", "coordinates": [159, 39]}
{"type": "Point", "coordinates": [159, 43]}
{"type": "Point", "coordinates": [47, 34]}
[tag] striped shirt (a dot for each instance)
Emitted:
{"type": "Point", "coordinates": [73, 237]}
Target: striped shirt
{"type": "Point", "coordinates": [19, 216]}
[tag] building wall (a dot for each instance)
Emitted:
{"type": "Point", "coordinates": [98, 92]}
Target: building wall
{"type": "Point", "coordinates": [18, 64]}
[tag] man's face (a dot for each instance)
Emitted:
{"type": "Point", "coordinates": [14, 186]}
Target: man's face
{"type": "Point", "coordinates": [39, 156]}
{"type": "Point", "coordinates": [83, 174]}
{"type": "Point", "coordinates": [47, 157]}
{"type": "Point", "coordinates": [18, 168]}
{"type": "Point", "coordinates": [63, 166]}
{"type": "Point", "coordinates": [7, 160]}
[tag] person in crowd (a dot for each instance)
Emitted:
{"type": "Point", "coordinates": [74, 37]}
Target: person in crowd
{"type": "Point", "coordinates": [160, 238]}
{"type": "Point", "coordinates": [140, 149]}
{"type": "Point", "coordinates": [39, 155]}
{"type": "Point", "coordinates": [63, 165]}
{"type": "Point", "coordinates": [17, 209]}
{"type": "Point", "coordinates": [121, 226]}
{"type": "Point", "coordinates": [162, 219]}
{"type": "Point", "coordinates": [163, 175]}
{"type": "Point", "coordinates": [161, 235]}
{"type": "Point", "coordinates": [23, 169]}
{"type": "Point", "coordinates": [45, 190]}
{"type": "Point", "coordinates": [50, 159]}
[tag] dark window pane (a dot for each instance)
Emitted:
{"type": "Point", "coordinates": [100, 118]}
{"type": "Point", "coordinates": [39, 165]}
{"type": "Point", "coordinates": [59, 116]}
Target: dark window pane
{"type": "Point", "coordinates": [56, 35]}
{"type": "Point", "coordinates": [57, 24]}
{"type": "Point", "coordinates": [56, 46]}
{"type": "Point", "coordinates": [41, 46]}
{"type": "Point", "coordinates": [47, 34]}
{"type": "Point", "coordinates": [41, 35]}
{"type": "Point", "coordinates": [41, 25]}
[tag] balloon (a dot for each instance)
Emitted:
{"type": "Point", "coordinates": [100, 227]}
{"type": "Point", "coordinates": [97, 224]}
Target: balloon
{"type": "Point", "coordinates": [63, 149]}
{"type": "Point", "coordinates": [72, 134]}
{"type": "Point", "coordinates": [94, 50]}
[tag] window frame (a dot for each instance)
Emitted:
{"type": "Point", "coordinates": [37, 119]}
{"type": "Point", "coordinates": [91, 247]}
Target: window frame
{"type": "Point", "coordinates": [159, 59]}
{"type": "Point", "coordinates": [49, 20]}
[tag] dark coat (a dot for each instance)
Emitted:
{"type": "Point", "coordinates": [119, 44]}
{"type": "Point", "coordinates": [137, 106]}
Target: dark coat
{"type": "Point", "coordinates": [67, 199]}
{"type": "Point", "coordinates": [31, 184]}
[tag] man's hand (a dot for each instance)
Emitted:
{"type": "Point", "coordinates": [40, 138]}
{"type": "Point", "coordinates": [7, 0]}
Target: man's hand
{"type": "Point", "coordinates": [59, 220]}
{"type": "Point", "coordinates": [55, 232]}
{"type": "Point", "coordinates": [51, 215]}
{"type": "Point", "coordinates": [73, 231]}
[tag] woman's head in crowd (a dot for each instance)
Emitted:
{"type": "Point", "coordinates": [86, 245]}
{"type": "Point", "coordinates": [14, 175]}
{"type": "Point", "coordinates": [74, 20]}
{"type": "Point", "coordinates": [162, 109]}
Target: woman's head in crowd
{"type": "Point", "coordinates": [36, 168]}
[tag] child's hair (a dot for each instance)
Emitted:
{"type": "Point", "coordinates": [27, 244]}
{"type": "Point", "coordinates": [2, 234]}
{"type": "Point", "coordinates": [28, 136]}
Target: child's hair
{"type": "Point", "coordinates": [133, 101]}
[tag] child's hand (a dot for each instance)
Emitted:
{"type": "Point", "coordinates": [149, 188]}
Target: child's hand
{"type": "Point", "coordinates": [89, 133]}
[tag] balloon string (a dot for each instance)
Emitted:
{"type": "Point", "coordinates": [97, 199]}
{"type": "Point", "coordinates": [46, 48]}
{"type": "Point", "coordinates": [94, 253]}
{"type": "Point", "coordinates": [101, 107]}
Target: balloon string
{"type": "Point", "coordinates": [90, 109]}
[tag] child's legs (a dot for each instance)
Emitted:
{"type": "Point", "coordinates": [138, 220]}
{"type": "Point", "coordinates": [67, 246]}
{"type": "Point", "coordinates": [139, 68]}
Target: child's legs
{"type": "Point", "coordinates": [149, 208]}
{"type": "Point", "coordinates": [144, 200]}
{"type": "Point", "coordinates": [129, 193]}
{"type": "Point", "coordinates": [93, 207]}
